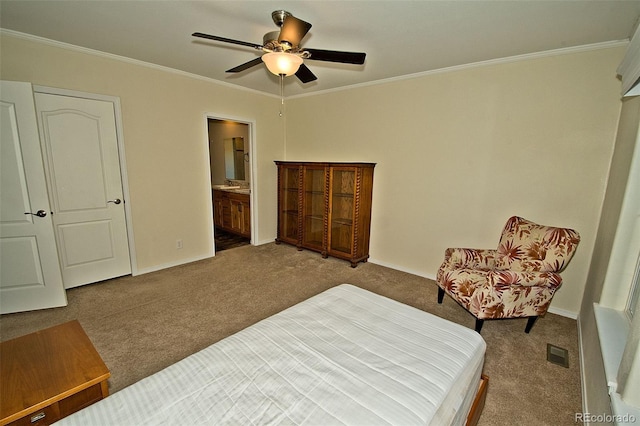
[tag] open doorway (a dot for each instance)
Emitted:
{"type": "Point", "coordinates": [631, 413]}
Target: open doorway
{"type": "Point", "coordinates": [230, 162]}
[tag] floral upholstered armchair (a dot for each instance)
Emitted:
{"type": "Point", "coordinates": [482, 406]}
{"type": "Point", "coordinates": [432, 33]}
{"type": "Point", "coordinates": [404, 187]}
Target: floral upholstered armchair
{"type": "Point", "coordinates": [516, 280]}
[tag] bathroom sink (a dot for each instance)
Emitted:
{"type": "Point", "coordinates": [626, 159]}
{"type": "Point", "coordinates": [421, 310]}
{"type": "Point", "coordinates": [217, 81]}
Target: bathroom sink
{"type": "Point", "coordinates": [224, 187]}
{"type": "Point", "coordinates": [242, 191]}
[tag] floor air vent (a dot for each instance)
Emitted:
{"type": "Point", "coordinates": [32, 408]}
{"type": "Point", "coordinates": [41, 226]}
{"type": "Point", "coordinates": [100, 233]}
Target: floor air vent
{"type": "Point", "coordinates": [557, 355]}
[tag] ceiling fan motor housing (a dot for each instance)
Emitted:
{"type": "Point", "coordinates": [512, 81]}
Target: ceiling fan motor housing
{"type": "Point", "coordinates": [279, 16]}
{"type": "Point", "coordinates": [270, 40]}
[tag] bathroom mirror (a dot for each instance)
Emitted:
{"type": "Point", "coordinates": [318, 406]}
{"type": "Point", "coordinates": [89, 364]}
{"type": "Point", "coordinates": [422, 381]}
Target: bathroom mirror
{"type": "Point", "coordinates": [234, 157]}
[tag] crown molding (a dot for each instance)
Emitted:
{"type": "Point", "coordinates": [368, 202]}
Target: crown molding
{"type": "Point", "coordinates": [85, 50]}
{"type": "Point", "coordinates": [510, 59]}
{"type": "Point", "coordinates": [506, 60]}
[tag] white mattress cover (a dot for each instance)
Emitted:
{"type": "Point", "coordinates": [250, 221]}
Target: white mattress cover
{"type": "Point", "coordinates": [345, 356]}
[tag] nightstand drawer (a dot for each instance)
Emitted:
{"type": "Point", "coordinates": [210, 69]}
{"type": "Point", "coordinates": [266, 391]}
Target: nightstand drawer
{"type": "Point", "coordinates": [78, 401]}
{"type": "Point", "coordinates": [42, 417]}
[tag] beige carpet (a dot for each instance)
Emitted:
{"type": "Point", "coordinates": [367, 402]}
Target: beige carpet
{"type": "Point", "coordinates": [142, 324]}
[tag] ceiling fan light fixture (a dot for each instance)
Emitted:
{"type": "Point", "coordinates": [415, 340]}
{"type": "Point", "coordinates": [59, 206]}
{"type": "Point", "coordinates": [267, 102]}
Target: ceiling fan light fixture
{"type": "Point", "coordinates": [282, 53]}
{"type": "Point", "coordinates": [281, 63]}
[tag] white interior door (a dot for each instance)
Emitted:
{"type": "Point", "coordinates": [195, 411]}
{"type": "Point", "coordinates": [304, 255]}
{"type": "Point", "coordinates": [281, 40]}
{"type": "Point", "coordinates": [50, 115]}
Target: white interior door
{"type": "Point", "coordinates": [30, 275]}
{"type": "Point", "coordinates": [80, 145]}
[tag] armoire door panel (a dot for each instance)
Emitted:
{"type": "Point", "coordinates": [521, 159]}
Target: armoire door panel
{"type": "Point", "coordinates": [289, 182]}
{"type": "Point", "coordinates": [314, 207]}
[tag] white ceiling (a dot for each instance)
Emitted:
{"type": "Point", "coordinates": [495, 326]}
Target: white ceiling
{"type": "Point", "coordinates": [400, 37]}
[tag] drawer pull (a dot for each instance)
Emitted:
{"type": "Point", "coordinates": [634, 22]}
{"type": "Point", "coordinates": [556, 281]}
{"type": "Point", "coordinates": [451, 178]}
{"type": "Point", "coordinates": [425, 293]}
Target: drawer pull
{"type": "Point", "coordinates": [37, 417]}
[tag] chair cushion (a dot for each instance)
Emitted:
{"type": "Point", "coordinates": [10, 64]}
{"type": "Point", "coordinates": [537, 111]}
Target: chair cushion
{"type": "Point", "coordinates": [527, 246]}
{"type": "Point", "coordinates": [500, 294]}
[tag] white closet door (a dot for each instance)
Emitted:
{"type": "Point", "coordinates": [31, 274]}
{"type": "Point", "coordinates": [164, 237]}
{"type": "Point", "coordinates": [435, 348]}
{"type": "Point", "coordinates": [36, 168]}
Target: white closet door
{"type": "Point", "coordinates": [82, 164]}
{"type": "Point", "coordinates": [30, 275]}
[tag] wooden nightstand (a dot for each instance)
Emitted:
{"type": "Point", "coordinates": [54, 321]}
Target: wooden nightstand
{"type": "Point", "coordinates": [49, 374]}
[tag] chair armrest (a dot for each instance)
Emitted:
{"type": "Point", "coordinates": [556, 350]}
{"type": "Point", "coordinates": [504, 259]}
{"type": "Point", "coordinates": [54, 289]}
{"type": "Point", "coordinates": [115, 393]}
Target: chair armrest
{"type": "Point", "coordinates": [550, 280]}
{"type": "Point", "coordinates": [463, 258]}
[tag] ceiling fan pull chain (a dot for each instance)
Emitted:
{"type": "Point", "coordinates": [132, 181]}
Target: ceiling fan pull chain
{"type": "Point", "coordinates": [281, 95]}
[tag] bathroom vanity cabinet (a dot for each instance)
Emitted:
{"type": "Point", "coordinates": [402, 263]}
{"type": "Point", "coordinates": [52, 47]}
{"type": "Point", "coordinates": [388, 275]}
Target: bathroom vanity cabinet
{"type": "Point", "coordinates": [326, 207]}
{"type": "Point", "coordinates": [232, 212]}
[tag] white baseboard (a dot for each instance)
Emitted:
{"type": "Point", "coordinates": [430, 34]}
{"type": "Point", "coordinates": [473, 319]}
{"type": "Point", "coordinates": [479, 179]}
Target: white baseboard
{"type": "Point", "coordinates": [185, 261]}
{"type": "Point", "coordinates": [583, 378]}
{"type": "Point", "coordinates": [557, 311]}
{"type": "Point", "coordinates": [261, 242]}
{"type": "Point", "coordinates": [563, 313]}
{"type": "Point", "coordinates": [401, 269]}
{"type": "Point", "coordinates": [170, 265]}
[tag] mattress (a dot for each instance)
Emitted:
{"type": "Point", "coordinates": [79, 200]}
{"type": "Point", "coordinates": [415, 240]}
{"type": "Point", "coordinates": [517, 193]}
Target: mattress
{"type": "Point", "coordinates": [345, 356]}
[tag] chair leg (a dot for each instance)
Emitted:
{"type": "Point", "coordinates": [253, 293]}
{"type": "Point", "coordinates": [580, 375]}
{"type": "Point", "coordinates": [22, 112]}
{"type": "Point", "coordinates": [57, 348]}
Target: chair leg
{"type": "Point", "coordinates": [479, 323]}
{"type": "Point", "coordinates": [530, 323]}
{"type": "Point", "coordinates": [440, 294]}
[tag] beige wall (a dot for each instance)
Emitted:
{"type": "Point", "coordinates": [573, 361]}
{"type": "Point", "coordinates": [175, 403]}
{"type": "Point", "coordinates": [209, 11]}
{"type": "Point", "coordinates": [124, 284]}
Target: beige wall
{"type": "Point", "coordinates": [459, 152]}
{"type": "Point", "coordinates": [165, 137]}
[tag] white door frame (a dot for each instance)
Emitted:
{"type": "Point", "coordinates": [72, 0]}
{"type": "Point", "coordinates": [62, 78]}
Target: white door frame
{"type": "Point", "coordinates": [121, 153]}
{"type": "Point", "coordinates": [253, 196]}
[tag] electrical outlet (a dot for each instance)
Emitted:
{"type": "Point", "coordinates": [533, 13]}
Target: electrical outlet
{"type": "Point", "coordinates": [178, 244]}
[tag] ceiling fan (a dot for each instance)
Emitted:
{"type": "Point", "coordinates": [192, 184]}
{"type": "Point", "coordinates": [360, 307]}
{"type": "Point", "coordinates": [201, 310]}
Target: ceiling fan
{"type": "Point", "coordinates": [283, 55]}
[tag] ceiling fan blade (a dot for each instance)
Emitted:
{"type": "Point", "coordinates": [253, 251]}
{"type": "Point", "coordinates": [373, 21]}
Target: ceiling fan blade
{"type": "Point", "coordinates": [293, 31]}
{"type": "Point", "coordinates": [227, 40]}
{"type": "Point", "coordinates": [337, 56]}
{"type": "Point", "coordinates": [305, 75]}
{"type": "Point", "coordinates": [246, 65]}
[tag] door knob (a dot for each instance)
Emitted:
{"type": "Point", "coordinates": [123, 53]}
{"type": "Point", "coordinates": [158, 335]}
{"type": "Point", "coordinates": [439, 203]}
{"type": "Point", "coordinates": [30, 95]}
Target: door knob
{"type": "Point", "coordinates": [116, 201]}
{"type": "Point", "coordinates": [39, 213]}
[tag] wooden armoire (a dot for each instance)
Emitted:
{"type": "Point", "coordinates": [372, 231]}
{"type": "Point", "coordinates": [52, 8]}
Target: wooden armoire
{"type": "Point", "coordinates": [326, 207]}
